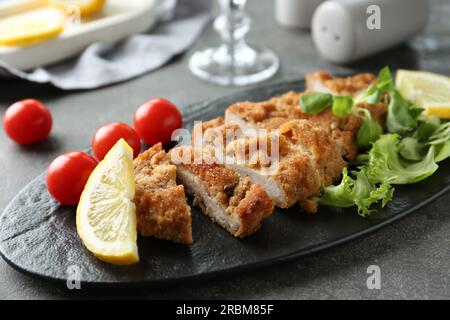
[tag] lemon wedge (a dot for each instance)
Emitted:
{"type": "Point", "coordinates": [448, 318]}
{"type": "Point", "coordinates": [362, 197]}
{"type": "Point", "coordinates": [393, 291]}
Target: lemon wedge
{"type": "Point", "coordinates": [86, 7]}
{"type": "Point", "coordinates": [31, 27]}
{"type": "Point", "coordinates": [106, 214]}
{"type": "Point", "coordinates": [428, 90]}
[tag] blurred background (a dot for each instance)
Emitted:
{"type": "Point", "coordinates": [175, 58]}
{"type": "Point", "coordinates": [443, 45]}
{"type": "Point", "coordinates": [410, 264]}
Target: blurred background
{"type": "Point", "coordinates": [101, 81]}
{"type": "Point", "coordinates": [281, 38]}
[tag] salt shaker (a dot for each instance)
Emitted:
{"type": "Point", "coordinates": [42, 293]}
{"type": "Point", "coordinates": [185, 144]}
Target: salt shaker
{"type": "Point", "coordinates": [347, 30]}
{"type": "Point", "coordinates": [295, 13]}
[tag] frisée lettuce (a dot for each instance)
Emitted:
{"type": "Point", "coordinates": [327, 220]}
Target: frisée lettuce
{"type": "Point", "coordinates": [359, 191]}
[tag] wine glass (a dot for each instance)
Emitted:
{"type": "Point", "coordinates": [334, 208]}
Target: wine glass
{"type": "Point", "coordinates": [234, 62]}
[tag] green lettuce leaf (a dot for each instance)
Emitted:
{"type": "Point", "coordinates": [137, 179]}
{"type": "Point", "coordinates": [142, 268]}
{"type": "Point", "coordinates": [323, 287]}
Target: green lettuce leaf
{"type": "Point", "coordinates": [386, 165]}
{"type": "Point", "coordinates": [408, 154]}
{"type": "Point", "coordinates": [413, 150]}
{"type": "Point", "coordinates": [384, 84]}
{"type": "Point", "coordinates": [427, 127]}
{"type": "Point", "coordinates": [402, 115]}
{"type": "Point", "coordinates": [441, 135]}
{"type": "Point", "coordinates": [442, 151]}
{"type": "Point", "coordinates": [400, 118]}
{"type": "Point", "coordinates": [440, 142]}
{"type": "Point", "coordinates": [370, 130]}
{"type": "Point", "coordinates": [358, 191]}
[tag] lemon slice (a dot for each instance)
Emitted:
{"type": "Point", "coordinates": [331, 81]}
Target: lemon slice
{"type": "Point", "coordinates": [106, 214]}
{"type": "Point", "coordinates": [427, 90]}
{"type": "Point", "coordinates": [31, 27]}
{"type": "Point", "coordinates": [86, 7]}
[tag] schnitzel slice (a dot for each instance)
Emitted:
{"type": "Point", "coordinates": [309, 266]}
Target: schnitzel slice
{"type": "Point", "coordinates": [350, 86]}
{"type": "Point", "coordinates": [232, 201]}
{"type": "Point", "coordinates": [308, 157]}
{"type": "Point", "coordinates": [161, 207]}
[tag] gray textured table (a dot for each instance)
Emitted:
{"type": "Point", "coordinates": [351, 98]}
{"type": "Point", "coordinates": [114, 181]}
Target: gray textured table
{"type": "Point", "coordinates": [413, 254]}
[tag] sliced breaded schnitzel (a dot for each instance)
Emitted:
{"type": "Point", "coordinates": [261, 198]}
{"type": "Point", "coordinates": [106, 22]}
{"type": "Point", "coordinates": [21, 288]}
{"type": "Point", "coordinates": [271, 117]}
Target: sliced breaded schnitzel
{"type": "Point", "coordinates": [291, 180]}
{"type": "Point", "coordinates": [350, 86]}
{"type": "Point", "coordinates": [228, 199]}
{"type": "Point", "coordinates": [161, 207]}
{"type": "Point", "coordinates": [271, 114]}
{"type": "Point", "coordinates": [308, 158]}
{"type": "Point", "coordinates": [268, 114]}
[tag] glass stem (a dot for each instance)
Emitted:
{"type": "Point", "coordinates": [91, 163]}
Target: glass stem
{"type": "Point", "coordinates": [232, 24]}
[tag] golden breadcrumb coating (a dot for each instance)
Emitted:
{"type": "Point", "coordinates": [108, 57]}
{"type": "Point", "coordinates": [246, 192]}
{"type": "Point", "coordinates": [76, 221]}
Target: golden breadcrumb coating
{"type": "Point", "coordinates": [209, 131]}
{"type": "Point", "coordinates": [295, 173]}
{"type": "Point", "coordinates": [308, 158]}
{"type": "Point", "coordinates": [319, 144]}
{"type": "Point", "coordinates": [350, 86]}
{"type": "Point", "coordinates": [161, 207]}
{"type": "Point", "coordinates": [272, 114]}
{"type": "Point", "coordinates": [241, 201]}
{"type": "Point", "coordinates": [264, 113]}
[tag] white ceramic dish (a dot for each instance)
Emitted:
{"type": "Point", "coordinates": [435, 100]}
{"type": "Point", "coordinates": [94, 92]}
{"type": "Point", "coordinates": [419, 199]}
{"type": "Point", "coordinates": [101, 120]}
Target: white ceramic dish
{"type": "Point", "coordinates": [118, 19]}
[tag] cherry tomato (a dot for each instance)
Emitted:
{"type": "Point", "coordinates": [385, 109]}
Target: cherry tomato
{"type": "Point", "coordinates": [107, 136]}
{"type": "Point", "coordinates": [155, 121]}
{"type": "Point", "coordinates": [27, 121]}
{"type": "Point", "coordinates": [67, 176]}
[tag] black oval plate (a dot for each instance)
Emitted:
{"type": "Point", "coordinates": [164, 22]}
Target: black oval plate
{"type": "Point", "coordinates": [38, 236]}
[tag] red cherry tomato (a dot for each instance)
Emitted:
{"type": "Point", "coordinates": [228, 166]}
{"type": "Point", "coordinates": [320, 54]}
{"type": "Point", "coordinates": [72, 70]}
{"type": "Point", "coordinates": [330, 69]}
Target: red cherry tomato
{"type": "Point", "coordinates": [155, 121]}
{"type": "Point", "coordinates": [67, 176]}
{"type": "Point", "coordinates": [107, 136]}
{"type": "Point", "coordinates": [27, 121]}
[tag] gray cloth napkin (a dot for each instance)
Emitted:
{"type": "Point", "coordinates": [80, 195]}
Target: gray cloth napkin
{"type": "Point", "coordinates": [101, 64]}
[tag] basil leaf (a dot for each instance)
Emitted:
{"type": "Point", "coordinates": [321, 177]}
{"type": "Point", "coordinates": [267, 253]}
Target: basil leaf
{"type": "Point", "coordinates": [342, 105]}
{"type": "Point", "coordinates": [313, 103]}
{"type": "Point", "coordinates": [399, 119]}
{"type": "Point", "coordinates": [370, 130]}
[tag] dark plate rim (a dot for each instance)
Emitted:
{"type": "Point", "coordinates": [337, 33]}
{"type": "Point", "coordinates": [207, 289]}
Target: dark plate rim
{"type": "Point", "coordinates": [235, 269]}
